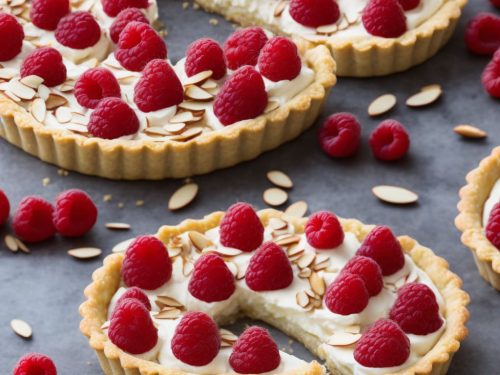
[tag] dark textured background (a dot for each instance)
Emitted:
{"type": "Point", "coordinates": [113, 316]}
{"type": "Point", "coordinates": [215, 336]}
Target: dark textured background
{"type": "Point", "coordinates": [45, 287]}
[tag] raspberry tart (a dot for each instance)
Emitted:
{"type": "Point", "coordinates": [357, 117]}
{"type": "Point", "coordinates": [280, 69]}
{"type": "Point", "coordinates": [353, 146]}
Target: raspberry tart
{"type": "Point", "coordinates": [338, 286]}
{"type": "Point", "coordinates": [479, 217]}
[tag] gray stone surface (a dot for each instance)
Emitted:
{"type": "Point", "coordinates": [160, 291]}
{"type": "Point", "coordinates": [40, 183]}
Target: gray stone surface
{"type": "Point", "coordinates": [45, 288]}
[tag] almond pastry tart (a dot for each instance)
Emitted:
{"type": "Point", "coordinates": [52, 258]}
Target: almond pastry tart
{"type": "Point", "coordinates": [356, 296]}
{"type": "Point", "coordinates": [87, 85]}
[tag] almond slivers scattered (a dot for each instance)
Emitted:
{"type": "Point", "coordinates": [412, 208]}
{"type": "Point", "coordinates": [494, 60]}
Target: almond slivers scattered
{"type": "Point", "coordinates": [469, 131]}
{"type": "Point", "coordinates": [280, 179]}
{"type": "Point", "coordinates": [428, 95]}
{"type": "Point", "coordinates": [21, 328]}
{"type": "Point", "coordinates": [183, 196]}
{"type": "Point", "coordinates": [85, 252]}
{"type": "Point", "coordinates": [275, 196]}
{"type": "Point", "coordinates": [382, 104]}
{"type": "Point", "coordinates": [297, 209]}
{"type": "Point", "coordinates": [394, 194]}
{"type": "Point", "coordinates": [343, 338]}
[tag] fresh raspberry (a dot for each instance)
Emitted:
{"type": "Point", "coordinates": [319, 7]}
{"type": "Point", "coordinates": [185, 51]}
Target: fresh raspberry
{"type": "Point", "coordinates": [241, 228]}
{"type": "Point", "coordinates": [75, 213]}
{"type": "Point", "coordinates": [32, 220]}
{"type": "Point", "coordinates": [314, 13]}
{"type": "Point", "coordinates": [243, 47]}
{"type": "Point", "coordinates": [123, 19]}
{"type": "Point", "coordinates": [45, 62]}
{"type": "Point", "coordinates": [243, 96]}
{"type": "Point", "coordinates": [323, 230]}
{"type": "Point", "coordinates": [279, 60]}
{"type": "Point", "coordinates": [368, 270]}
{"type": "Point", "coordinates": [340, 135]}
{"type": "Point", "coordinates": [269, 269]}
{"type": "Point", "coordinates": [131, 327]}
{"type": "Point", "coordinates": [493, 226]}
{"type": "Point", "coordinates": [134, 293]}
{"type": "Point", "coordinates": [158, 88]}
{"type": "Point", "coordinates": [4, 208]}
{"type": "Point", "coordinates": [113, 118]}
{"type": "Point", "coordinates": [78, 30]}
{"type": "Point", "coordinates": [113, 7]}
{"type": "Point", "coordinates": [385, 18]}
{"type": "Point", "coordinates": [389, 141]}
{"type": "Point", "coordinates": [139, 44]}
{"type": "Point", "coordinates": [491, 76]}
{"type": "Point", "coordinates": [146, 264]}
{"type": "Point", "coordinates": [46, 14]}
{"type": "Point", "coordinates": [384, 344]}
{"type": "Point", "coordinates": [196, 339]}
{"type": "Point", "coordinates": [205, 54]}
{"type": "Point", "coordinates": [482, 35]}
{"type": "Point", "coordinates": [212, 281]}
{"type": "Point", "coordinates": [12, 37]}
{"type": "Point", "coordinates": [35, 364]}
{"type": "Point", "coordinates": [409, 4]}
{"type": "Point", "coordinates": [255, 352]}
{"type": "Point", "coordinates": [94, 85]}
{"type": "Point", "coordinates": [495, 3]}
{"type": "Point", "coordinates": [384, 248]}
{"type": "Point", "coordinates": [347, 295]}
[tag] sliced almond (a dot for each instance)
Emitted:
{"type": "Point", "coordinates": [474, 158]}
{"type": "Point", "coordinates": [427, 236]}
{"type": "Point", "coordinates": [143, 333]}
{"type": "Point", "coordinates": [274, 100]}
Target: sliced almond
{"type": "Point", "coordinates": [22, 246]}
{"type": "Point", "coordinates": [198, 94]}
{"type": "Point", "coordinates": [118, 226]}
{"type": "Point", "coordinates": [382, 104]}
{"type": "Point", "coordinates": [353, 329]}
{"type": "Point", "coordinates": [317, 284]}
{"type": "Point", "coordinates": [280, 179]}
{"type": "Point", "coordinates": [287, 240]}
{"type": "Point", "coordinates": [43, 92]}
{"type": "Point", "coordinates": [469, 131]}
{"type": "Point", "coordinates": [21, 91]}
{"type": "Point", "coordinates": [198, 78]}
{"type": "Point", "coordinates": [63, 114]}
{"type": "Point", "coordinates": [297, 209]}
{"type": "Point", "coordinates": [21, 328]}
{"type": "Point", "coordinates": [275, 196]}
{"type": "Point", "coordinates": [175, 128]}
{"type": "Point", "coordinates": [85, 252]}
{"type": "Point", "coordinates": [226, 335]}
{"type": "Point", "coordinates": [271, 106]}
{"type": "Point", "coordinates": [302, 299]}
{"type": "Point", "coordinates": [306, 260]}
{"type": "Point", "coordinates": [38, 109]}
{"type": "Point", "coordinates": [54, 101]}
{"type": "Point", "coordinates": [183, 196]}
{"type": "Point", "coordinates": [295, 251]}
{"type": "Point", "coordinates": [394, 194]}
{"type": "Point", "coordinates": [277, 223]}
{"type": "Point", "coordinates": [199, 241]}
{"type": "Point", "coordinates": [156, 130]}
{"type": "Point", "coordinates": [11, 243]}
{"type": "Point", "coordinates": [343, 339]}
{"type": "Point", "coordinates": [305, 273]}
{"type": "Point", "coordinates": [327, 29]}
{"type": "Point", "coordinates": [174, 251]}
{"type": "Point", "coordinates": [168, 314]}
{"type": "Point", "coordinates": [434, 86]}
{"type": "Point", "coordinates": [8, 73]}
{"type": "Point", "coordinates": [32, 81]}
{"type": "Point", "coordinates": [192, 106]}
{"type": "Point", "coordinates": [425, 97]}
{"type": "Point", "coordinates": [122, 246]}
{"type": "Point", "coordinates": [169, 301]}
{"type": "Point", "coordinates": [210, 84]}
{"type": "Point", "coordinates": [225, 251]}
{"type": "Point", "coordinates": [187, 268]}
{"type": "Point", "coordinates": [11, 95]}
{"type": "Point", "coordinates": [187, 135]}
{"type": "Point", "coordinates": [278, 11]}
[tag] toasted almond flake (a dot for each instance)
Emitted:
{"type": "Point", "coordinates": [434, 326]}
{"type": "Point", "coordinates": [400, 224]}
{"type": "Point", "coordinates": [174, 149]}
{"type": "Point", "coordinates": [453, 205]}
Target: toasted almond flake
{"type": "Point", "coordinates": [434, 86]}
{"type": "Point", "coordinates": [156, 130]}
{"type": "Point", "coordinates": [352, 18]}
{"type": "Point", "coordinates": [11, 243]}
{"type": "Point", "coordinates": [22, 246]}
{"type": "Point", "coordinates": [353, 329]}
{"type": "Point", "coordinates": [122, 246]}
{"type": "Point", "coordinates": [302, 299]}
{"type": "Point", "coordinates": [77, 128]}
{"type": "Point", "coordinates": [425, 97]}
{"type": "Point", "coordinates": [54, 101]}
{"type": "Point", "coordinates": [65, 87]}
{"type": "Point", "coordinates": [175, 128]}
{"type": "Point", "coordinates": [199, 240]}
{"type": "Point", "coordinates": [32, 81]}
{"type": "Point", "coordinates": [183, 196]}
{"type": "Point", "coordinates": [85, 252]}
{"type": "Point", "coordinates": [187, 135]}
{"type": "Point", "coordinates": [233, 267]}
{"type": "Point", "coordinates": [198, 78]}
{"type": "Point", "coordinates": [191, 106]}
{"type": "Point", "coordinates": [288, 240]}
{"type": "Point", "coordinates": [271, 106]}
{"type": "Point", "coordinates": [21, 328]}
{"type": "Point", "coordinates": [182, 117]}
{"type": "Point", "coordinates": [168, 301]}
{"type": "Point", "coordinates": [187, 268]}
{"type": "Point", "coordinates": [38, 109]}
{"type": "Point", "coordinates": [63, 114]}
{"type": "Point", "coordinates": [278, 11]}
{"type": "Point", "coordinates": [275, 196]}
{"type": "Point", "coordinates": [305, 273]}
{"type": "Point", "coordinates": [241, 273]}
{"type": "Point", "coordinates": [306, 260]}
{"type": "Point", "coordinates": [317, 284]}
{"type": "Point", "coordinates": [343, 338]}
{"type": "Point", "coordinates": [8, 73]}
{"type": "Point", "coordinates": [174, 251]}
{"type": "Point", "coordinates": [280, 179]}
{"type": "Point", "coordinates": [382, 104]}
{"type": "Point", "coordinates": [394, 194]}
{"type": "Point", "coordinates": [10, 95]}
{"type": "Point", "coordinates": [295, 250]}
{"type": "Point", "coordinates": [118, 226]}
{"type": "Point", "coordinates": [198, 94]}
{"type": "Point", "coordinates": [327, 29]}
{"type": "Point", "coordinates": [43, 92]}
{"type": "Point", "coordinates": [227, 335]}
{"type": "Point", "coordinates": [277, 223]}
{"type": "Point", "coordinates": [224, 251]}
{"type": "Point", "coordinates": [168, 314]}
{"type": "Point", "coordinates": [297, 209]}
{"type": "Point", "coordinates": [225, 344]}
{"type": "Point", "coordinates": [469, 131]}
{"type": "Point", "coordinates": [209, 84]}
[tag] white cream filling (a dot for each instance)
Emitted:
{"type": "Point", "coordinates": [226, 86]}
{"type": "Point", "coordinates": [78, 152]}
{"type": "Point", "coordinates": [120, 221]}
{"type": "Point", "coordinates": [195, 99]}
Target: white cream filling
{"type": "Point", "coordinates": [493, 199]}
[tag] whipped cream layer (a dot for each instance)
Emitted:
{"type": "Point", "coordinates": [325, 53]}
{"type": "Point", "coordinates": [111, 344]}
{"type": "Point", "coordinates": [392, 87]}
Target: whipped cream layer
{"type": "Point", "coordinates": [493, 199]}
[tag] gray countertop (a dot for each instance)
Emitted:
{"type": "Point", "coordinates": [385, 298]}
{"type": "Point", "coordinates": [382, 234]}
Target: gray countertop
{"type": "Point", "coordinates": [45, 288]}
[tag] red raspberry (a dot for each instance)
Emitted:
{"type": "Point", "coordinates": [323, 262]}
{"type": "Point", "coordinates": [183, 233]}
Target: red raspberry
{"type": "Point", "coordinates": [113, 118]}
{"type": "Point", "coordinates": [493, 226]}
{"type": "Point", "coordinates": [131, 327]}
{"type": "Point", "coordinates": [134, 293]}
{"type": "Point", "coordinates": [138, 45]}
{"type": "Point", "coordinates": [146, 264]}
{"type": "Point", "coordinates": [243, 96]}
{"type": "Point", "coordinates": [385, 18]}
{"type": "Point", "coordinates": [32, 220]}
{"type": "Point", "coordinates": [279, 60]}
{"type": "Point", "coordinates": [255, 352]}
{"type": "Point", "coordinates": [196, 339]}
{"type": "Point", "coordinates": [46, 14]}
{"type": "Point", "coordinates": [212, 281]}
{"type": "Point", "coordinates": [241, 228]}
{"type": "Point", "coordinates": [323, 230]}
{"type": "Point", "coordinates": [384, 248]}
{"type": "Point", "coordinates": [35, 364]}
{"type": "Point", "coordinates": [45, 62]}
{"type": "Point", "coordinates": [75, 213]}
{"type": "Point", "coordinates": [158, 88]}
{"type": "Point", "coordinates": [243, 47]}
{"type": "Point", "coordinates": [347, 295]}
{"type": "Point", "coordinates": [314, 13]}
{"type": "Point", "coordinates": [409, 4]}
{"type": "Point", "coordinates": [340, 135]}
{"type": "Point", "coordinates": [113, 7]}
{"type": "Point", "coordinates": [4, 208]}
{"type": "Point", "coordinates": [491, 76]}
{"type": "Point", "coordinates": [495, 3]}
{"type": "Point", "coordinates": [269, 269]}
{"type": "Point", "coordinates": [78, 30]}
{"type": "Point", "coordinates": [482, 35]}
{"type": "Point", "coordinates": [123, 19]}
{"type": "Point", "coordinates": [94, 85]}
{"type": "Point", "coordinates": [389, 141]}
{"type": "Point", "coordinates": [205, 54]}
{"type": "Point", "coordinates": [12, 37]}
{"type": "Point", "coordinates": [368, 270]}
{"type": "Point", "coordinates": [384, 344]}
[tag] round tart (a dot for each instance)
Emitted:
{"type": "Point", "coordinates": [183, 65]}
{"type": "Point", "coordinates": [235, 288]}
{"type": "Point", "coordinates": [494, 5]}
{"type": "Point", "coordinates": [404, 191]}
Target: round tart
{"type": "Point", "coordinates": [336, 285]}
{"type": "Point", "coordinates": [478, 200]}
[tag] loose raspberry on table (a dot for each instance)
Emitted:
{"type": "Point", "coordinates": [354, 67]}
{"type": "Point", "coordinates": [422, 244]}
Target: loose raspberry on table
{"type": "Point", "coordinates": [112, 118]}
{"type": "Point", "coordinates": [384, 344]}
{"type": "Point", "coordinates": [75, 213]}
{"type": "Point", "coordinates": [146, 264]}
{"type": "Point", "coordinates": [131, 327]}
{"type": "Point", "coordinates": [138, 44]}
{"type": "Point", "coordinates": [123, 19]}
{"type": "Point", "coordinates": [255, 352]}
{"type": "Point", "coordinates": [158, 88]}
{"type": "Point", "coordinates": [4, 208]}
{"type": "Point", "coordinates": [32, 221]}
{"type": "Point", "coordinates": [384, 18]}
{"type": "Point", "coordinates": [205, 54]}
{"type": "Point", "coordinates": [46, 14]}
{"type": "Point", "coordinates": [45, 62]}
{"type": "Point", "coordinates": [196, 339]}
{"type": "Point", "coordinates": [314, 13]}
{"type": "Point", "coordinates": [409, 4]}
{"type": "Point", "coordinates": [243, 96]}
{"type": "Point", "coordinates": [241, 228]}
{"type": "Point", "coordinates": [12, 37]}
{"type": "Point", "coordinates": [279, 59]}
{"type": "Point", "coordinates": [269, 269]}
{"type": "Point", "coordinates": [493, 226]}
{"type": "Point", "coordinates": [482, 35]}
{"type": "Point", "coordinates": [211, 281]}
{"type": "Point", "coordinates": [389, 141]}
{"type": "Point", "coordinates": [94, 85]}
{"type": "Point", "coordinates": [384, 248]}
{"type": "Point", "coordinates": [78, 30]}
{"type": "Point", "coordinates": [243, 47]}
{"type": "Point", "coordinates": [113, 7]}
{"type": "Point", "coordinates": [340, 135]}
{"type": "Point", "coordinates": [491, 76]}
{"type": "Point", "coordinates": [368, 270]}
{"type": "Point", "coordinates": [323, 230]}
{"type": "Point", "coordinates": [347, 295]}
{"type": "Point", "coordinates": [35, 364]}
{"type": "Point", "coordinates": [134, 293]}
